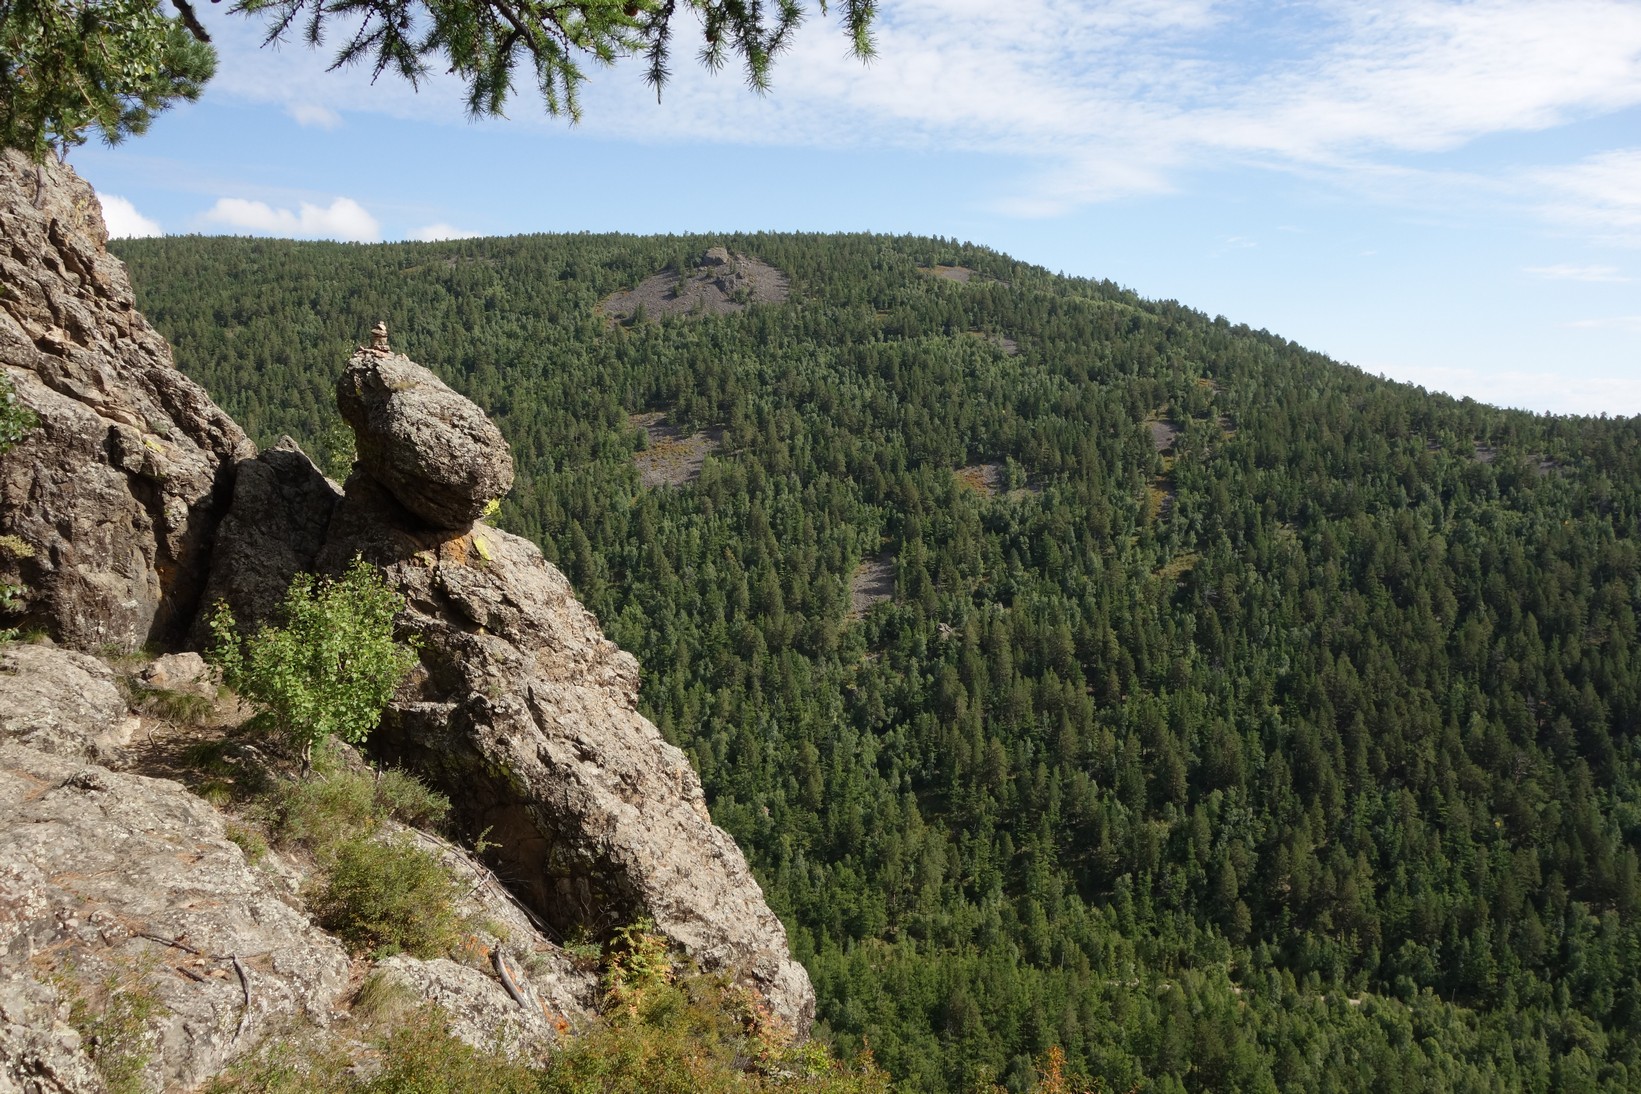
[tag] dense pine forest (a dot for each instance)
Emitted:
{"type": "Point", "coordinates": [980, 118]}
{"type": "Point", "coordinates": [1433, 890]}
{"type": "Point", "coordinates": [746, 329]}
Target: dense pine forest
{"type": "Point", "coordinates": [1225, 716]}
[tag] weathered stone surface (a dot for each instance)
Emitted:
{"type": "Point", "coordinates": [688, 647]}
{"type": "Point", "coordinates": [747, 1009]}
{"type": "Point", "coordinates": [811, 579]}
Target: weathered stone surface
{"type": "Point", "coordinates": [525, 713]}
{"type": "Point", "coordinates": [438, 454]}
{"type": "Point", "coordinates": [274, 530]}
{"type": "Point", "coordinates": [481, 1012]}
{"type": "Point", "coordinates": [62, 702]}
{"type": "Point", "coordinates": [93, 863]}
{"type": "Point", "coordinates": [563, 988]}
{"type": "Point", "coordinates": [181, 672]}
{"type": "Point", "coordinates": [118, 491]}
{"type": "Point", "coordinates": [40, 1053]}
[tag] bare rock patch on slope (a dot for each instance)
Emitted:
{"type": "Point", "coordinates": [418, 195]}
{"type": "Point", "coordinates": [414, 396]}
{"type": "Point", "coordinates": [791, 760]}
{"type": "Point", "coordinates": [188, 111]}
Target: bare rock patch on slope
{"type": "Point", "coordinates": [671, 457]}
{"type": "Point", "coordinates": [722, 284]}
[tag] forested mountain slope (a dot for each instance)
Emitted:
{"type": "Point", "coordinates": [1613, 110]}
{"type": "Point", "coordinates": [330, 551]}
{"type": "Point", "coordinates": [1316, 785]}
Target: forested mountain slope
{"type": "Point", "coordinates": [1238, 721]}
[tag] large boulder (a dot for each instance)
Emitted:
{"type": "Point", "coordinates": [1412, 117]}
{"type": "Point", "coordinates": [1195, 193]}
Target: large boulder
{"type": "Point", "coordinates": [62, 702]}
{"type": "Point", "coordinates": [273, 530]}
{"type": "Point", "coordinates": [438, 454]}
{"type": "Point", "coordinates": [113, 500]}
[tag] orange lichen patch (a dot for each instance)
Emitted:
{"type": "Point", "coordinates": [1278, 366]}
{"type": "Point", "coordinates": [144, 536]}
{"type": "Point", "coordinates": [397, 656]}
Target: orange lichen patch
{"type": "Point", "coordinates": [671, 457]}
{"type": "Point", "coordinates": [873, 583]}
{"type": "Point", "coordinates": [983, 478]}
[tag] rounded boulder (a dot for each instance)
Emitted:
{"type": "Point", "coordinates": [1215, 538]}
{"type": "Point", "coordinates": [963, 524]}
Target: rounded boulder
{"type": "Point", "coordinates": [435, 451]}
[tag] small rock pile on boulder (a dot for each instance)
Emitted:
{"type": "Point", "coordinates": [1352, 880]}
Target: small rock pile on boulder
{"type": "Point", "coordinates": [435, 451]}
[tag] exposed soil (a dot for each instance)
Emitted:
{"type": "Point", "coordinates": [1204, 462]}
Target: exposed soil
{"type": "Point", "coordinates": [1009, 346]}
{"type": "Point", "coordinates": [722, 284]}
{"type": "Point", "coordinates": [874, 582]}
{"type": "Point", "coordinates": [986, 478]}
{"type": "Point", "coordinates": [1163, 434]}
{"type": "Point", "coordinates": [672, 458]}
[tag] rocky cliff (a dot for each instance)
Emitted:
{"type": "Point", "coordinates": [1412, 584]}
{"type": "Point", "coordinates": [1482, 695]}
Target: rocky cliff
{"type": "Point", "coordinates": [135, 504]}
{"type": "Point", "coordinates": [116, 496]}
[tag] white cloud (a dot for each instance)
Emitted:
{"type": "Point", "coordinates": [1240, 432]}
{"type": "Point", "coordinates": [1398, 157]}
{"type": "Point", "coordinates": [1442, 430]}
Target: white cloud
{"type": "Point", "coordinates": [123, 220]}
{"type": "Point", "coordinates": [1099, 102]}
{"type": "Point", "coordinates": [433, 232]}
{"type": "Point", "coordinates": [313, 114]}
{"type": "Point", "coordinates": [1566, 271]}
{"type": "Point", "coordinates": [1616, 322]}
{"type": "Point", "coordinates": [343, 218]}
{"type": "Point", "coordinates": [1600, 194]}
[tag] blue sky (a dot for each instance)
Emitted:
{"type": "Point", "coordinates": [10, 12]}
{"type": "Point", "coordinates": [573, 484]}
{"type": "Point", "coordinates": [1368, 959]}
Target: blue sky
{"type": "Point", "coordinates": [1444, 192]}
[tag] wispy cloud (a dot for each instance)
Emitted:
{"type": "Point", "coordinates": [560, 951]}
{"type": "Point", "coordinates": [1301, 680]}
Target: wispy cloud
{"type": "Point", "coordinates": [1615, 322]}
{"type": "Point", "coordinates": [1098, 102]}
{"type": "Point", "coordinates": [313, 114]}
{"type": "Point", "coordinates": [1601, 194]}
{"type": "Point", "coordinates": [123, 220]}
{"type": "Point", "coordinates": [1566, 271]}
{"type": "Point", "coordinates": [343, 219]}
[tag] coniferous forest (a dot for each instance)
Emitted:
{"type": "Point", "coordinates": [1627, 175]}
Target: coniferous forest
{"type": "Point", "coordinates": [1225, 716]}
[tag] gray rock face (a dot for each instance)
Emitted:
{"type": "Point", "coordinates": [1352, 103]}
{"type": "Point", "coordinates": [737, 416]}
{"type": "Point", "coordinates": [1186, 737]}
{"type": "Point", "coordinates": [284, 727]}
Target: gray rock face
{"type": "Point", "coordinates": [118, 492]}
{"type": "Point", "coordinates": [62, 702]}
{"type": "Point", "coordinates": [274, 529]}
{"type": "Point", "coordinates": [525, 714]}
{"type": "Point", "coordinates": [481, 1012]}
{"type": "Point", "coordinates": [40, 1053]}
{"type": "Point", "coordinates": [435, 451]}
{"type": "Point", "coordinates": [117, 882]}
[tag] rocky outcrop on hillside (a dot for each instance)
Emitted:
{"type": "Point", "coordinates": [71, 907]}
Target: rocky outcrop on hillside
{"type": "Point", "coordinates": [134, 506]}
{"type": "Point", "coordinates": [530, 711]}
{"type": "Point", "coordinates": [116, 496]}
{"type": "Point", "coordinates": [525, 714]}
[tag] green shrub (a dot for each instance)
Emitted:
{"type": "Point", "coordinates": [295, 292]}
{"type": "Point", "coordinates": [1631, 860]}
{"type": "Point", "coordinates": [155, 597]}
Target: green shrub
{"type": "Point", "coordinates": [331, 668]}
{"type": "Point", "coordinates": [384, 896]}
{"type": "Point", "coordinates": [408, 800]}
{"type": "Point", "coordinates": [424, 1057]}
{"type": "Point", "coordinates": [15, 418]}
{"type": "Point", "coordinates": [316, 813]}
{"type": "Point", "coordinates": [247, 838]}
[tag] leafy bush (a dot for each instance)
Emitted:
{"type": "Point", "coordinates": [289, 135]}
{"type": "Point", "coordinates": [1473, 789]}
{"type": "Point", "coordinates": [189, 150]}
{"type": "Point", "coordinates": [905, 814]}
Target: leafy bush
{"type": "Point", "coordinates": [331, 668]}
{"type": "Point", "coordinates": [384, 896]}
{"type": "Point", "coordinates": [15, 418]}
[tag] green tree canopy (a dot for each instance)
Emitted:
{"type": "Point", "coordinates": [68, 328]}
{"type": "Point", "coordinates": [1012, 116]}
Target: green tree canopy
{"type": "Point", "coordinates": [68, 67]}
